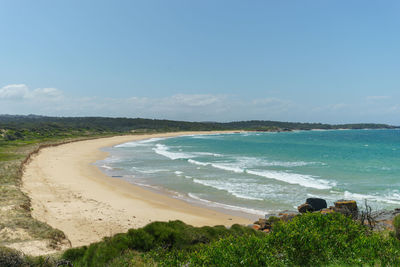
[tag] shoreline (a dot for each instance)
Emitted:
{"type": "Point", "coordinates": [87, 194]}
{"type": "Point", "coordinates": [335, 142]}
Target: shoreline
{"type": "Point", "coordinates": [72, 194]}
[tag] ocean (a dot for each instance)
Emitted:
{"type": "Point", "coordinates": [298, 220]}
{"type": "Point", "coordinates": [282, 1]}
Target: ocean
{"type": "Point", "coordinates": [265, 172]}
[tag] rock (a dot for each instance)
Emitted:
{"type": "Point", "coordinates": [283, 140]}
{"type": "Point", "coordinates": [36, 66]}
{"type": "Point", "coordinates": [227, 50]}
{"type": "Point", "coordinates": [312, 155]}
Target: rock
{"type": "Point", "coordinates": [303, 208]}
{"type": "Point", "coordinates": [254, 226]}
{"type": "Point", "coordinates": [262, 221]}
{"type": "Point", "coordinates": [384, 218]}
{"type": "Point", "coordinates": [326, 211]}
{"type": "Point", "coordinates": [317, 203]}
{"type": "Point", "coordinates": [264, 224]}
{"type": "Point", "coordinates": [347, 207]}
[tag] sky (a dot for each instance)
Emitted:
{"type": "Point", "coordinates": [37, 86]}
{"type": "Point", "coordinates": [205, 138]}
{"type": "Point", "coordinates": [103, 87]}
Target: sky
{"type": "Point", "coordinates": [330, 61]}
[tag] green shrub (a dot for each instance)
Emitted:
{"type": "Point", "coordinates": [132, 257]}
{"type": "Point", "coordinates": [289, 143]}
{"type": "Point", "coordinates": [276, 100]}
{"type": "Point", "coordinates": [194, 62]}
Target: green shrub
{"type": "Point", "coordinates": [396, 224]}
{"type": "Point", "coordinates": [140, 240]}
{"type": "Point", "coordinates": [74, 254]}
{"type": "Point", "coordinates": [157, 236]}
{"type": "Point", "coordinates": [10, 257]}
{"type": "Point", "coordinates": [308, 240]}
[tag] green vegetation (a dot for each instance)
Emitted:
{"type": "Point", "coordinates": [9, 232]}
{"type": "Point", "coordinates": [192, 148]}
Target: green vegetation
{"type": "Point", "coordinates": [157, 237]}
{"type": "Point", "coordinates": [38, 126]}
{"type": "Point", "coordinates": [396, 224]}
{"type": "Point", "coordinates": [312, 239]}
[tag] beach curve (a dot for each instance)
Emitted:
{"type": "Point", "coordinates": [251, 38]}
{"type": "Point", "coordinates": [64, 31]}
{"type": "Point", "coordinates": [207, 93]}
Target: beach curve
{"type": "Point", "coordinates": [71, 194]}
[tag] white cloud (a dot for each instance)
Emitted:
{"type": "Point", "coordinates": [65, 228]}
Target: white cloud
{"type": "Point", "coordinates": [48, 93]}
{"type": "Point", "coordinates": [192, 107]}
{"type": "Point", "coordinates": [22, 92]}
{"type": "Point", "coordinates": [20, 99]}
{"type": "Point", "coordinates": [196, 100]}
{"type": "Point", "coordinates": [14, 91]}
{"type": "Point", "coordinates": [270, 101]}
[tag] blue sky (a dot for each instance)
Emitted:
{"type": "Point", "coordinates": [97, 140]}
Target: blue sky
{"type": "Point", "coordinates": [311, 61]}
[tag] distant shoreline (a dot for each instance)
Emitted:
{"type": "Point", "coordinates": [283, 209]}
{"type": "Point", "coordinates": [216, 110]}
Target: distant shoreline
{"type": "Point", "coordinates": [71, 194]}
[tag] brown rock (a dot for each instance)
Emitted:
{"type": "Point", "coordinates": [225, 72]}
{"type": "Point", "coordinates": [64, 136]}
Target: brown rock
{"type": "Point", "coordinates": [255, 227]}
{"type": "Point", "coordinates": [262, 221]}
{"type": "Point", "coordinates": [326, 211]}
{"type": "Point", "coordinates": [305, 208]}
{"type": "Point", "coordinates": [347, 207]}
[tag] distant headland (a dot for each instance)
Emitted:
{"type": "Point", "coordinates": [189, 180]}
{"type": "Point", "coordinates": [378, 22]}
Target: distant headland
{"type": "Point", "coordinates": [14, 125]}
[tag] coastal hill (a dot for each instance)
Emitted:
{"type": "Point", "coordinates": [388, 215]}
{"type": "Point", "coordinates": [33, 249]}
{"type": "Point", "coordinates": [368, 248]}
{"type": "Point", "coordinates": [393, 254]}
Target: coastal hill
{"type": "Point", "coordinates": [18, 125]}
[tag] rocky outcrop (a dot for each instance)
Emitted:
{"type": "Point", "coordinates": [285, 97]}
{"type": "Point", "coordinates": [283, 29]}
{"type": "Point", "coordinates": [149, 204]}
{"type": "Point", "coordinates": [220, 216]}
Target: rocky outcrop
{"type": "Point", "coordinates": [317, 203]}
{"type": "Point", "coordinates": [347, 207]}
{"type": "Point", "coordinates": [303, 208]}
{"type": "Point", "coordinates": [382, 219]}
{"type": "Point", "coordinates": [312, 204]}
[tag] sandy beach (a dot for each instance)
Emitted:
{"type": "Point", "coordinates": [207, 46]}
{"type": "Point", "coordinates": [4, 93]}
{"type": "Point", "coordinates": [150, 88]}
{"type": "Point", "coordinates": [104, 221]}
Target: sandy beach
{"type": "Point", "coordinates": [71, 194]}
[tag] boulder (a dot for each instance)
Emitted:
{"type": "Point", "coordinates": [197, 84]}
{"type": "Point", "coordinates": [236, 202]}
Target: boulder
{"type": "Point", "coordinates": [254, 226]}
{"type": "Point", "coordinates": [264, 224]}
{"type": "Point", "coordinates": [303, 208]}
{"type": "Point", "coordinates": [326, 211]}
{"type": "Point", "coordinates": [317, 203]}
{"type": "Point", "coordinates": [347, 207]}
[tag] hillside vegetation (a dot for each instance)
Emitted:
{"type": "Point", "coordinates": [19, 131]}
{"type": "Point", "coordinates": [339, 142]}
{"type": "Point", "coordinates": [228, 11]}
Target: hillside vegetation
{"type": "Point", "coordinates": [39, 126]}
{"type": "Point", "coordinates": [312, 239]}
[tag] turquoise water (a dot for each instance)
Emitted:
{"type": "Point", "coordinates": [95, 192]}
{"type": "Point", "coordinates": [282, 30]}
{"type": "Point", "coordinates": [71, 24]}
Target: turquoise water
{"type": "Point", "coordinates": [266, 172]}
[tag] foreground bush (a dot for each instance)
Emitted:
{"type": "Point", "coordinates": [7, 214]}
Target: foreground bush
{"type": "Point", "coordinates": [162, 236]}
{"type": "Point", "coordinates": [396, 224]}
{"type": "Point", "coordinates": [308, 240]}
{"type": "Point", "coordinates": [312, 239]}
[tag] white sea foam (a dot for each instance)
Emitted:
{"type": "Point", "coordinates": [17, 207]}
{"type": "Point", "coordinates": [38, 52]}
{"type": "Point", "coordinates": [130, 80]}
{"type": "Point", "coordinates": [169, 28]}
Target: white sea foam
{"type": "Point", "coordinates": [249, 162]}
{"type": "Point", "coordinates": [226, 206]}
{"type": "Point", "coordinates": [148, 171]}
{"type": "Point", "coordinates": [164, 151]}
{"type": "Point", "coordinates": [227, 167]}
{"type": "Point", "coordinates": [129, 144]}
{"type": "Point", "coordinates": [294, 178]}
{"type": "Point", "coordinates": [179, 173]}
{"type": "Point", "coordinates": [240, 190]}
{"type": "Point", "coordinates": [207, 154]}
{"type": "Point", "coordinates": [390, 198]}
{"type": "Point", "coordinates": [106, 167]}
{"type": "Point", "coordinates": [192, 161]}
{"type": "Point", "coordinates": [140, 143]}
{"type": "Point", "coordinates": [151, 140]}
